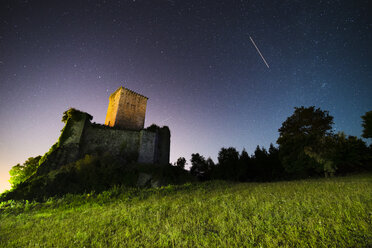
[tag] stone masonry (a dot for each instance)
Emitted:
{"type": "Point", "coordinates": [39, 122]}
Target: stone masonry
{"type": "Point", "coordinates": [126, 109]}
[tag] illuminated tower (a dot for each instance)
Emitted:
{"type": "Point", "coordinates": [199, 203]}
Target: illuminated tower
{"type": "Point", "coordinates": [126, 109]}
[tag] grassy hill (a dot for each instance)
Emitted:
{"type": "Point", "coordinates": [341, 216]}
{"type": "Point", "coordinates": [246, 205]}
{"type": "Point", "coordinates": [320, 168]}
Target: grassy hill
{"type": "Point", "coordinates": [333, 212]}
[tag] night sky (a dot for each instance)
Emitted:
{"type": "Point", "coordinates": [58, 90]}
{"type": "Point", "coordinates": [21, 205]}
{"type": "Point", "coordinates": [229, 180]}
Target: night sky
{"type": "Point", "coordinates": [193, 59]}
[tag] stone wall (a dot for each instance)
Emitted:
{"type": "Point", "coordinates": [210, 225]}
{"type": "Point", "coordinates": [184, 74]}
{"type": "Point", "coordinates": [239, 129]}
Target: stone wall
{"type": "Point", "coordinates": [146, 146]}
{"type": "Point", "coordinates": [116, 142]}
{"type": "Point", "coordinates": [81, 137]}
{"type": "Point", "coordinates": [112, 109]}
{"type": "Point", "coordinates": [147, 149]}
{"type": "Point", "coordinates": [67, 149]}
{"type": "Point", "coordinates": [132, 110]}
{"type": "Point", "coordinates": [75, 129]}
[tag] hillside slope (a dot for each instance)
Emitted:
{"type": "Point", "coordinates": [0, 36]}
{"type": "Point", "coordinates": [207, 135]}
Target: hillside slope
{"type": "Point", "coordinates": [307, 213]}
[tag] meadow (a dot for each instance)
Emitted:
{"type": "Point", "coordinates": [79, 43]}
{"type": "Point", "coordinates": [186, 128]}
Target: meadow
{"type": "Point", "coordinates": [326, 212]}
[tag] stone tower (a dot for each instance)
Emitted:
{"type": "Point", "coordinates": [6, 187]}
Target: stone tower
{"type": "Point", "coordinates": [126, 109]}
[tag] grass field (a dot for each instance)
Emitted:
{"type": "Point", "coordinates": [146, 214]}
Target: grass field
{"type": "Point", "coordinates": [333, 212]}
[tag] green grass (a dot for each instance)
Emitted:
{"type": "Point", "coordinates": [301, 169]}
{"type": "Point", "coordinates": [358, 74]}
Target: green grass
{"type": "Point", "coordinates": [333, 212]}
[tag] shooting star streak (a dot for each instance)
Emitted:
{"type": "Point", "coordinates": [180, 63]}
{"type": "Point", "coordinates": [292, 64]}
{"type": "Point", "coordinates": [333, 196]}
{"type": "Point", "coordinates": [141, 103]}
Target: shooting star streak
{"type": "Point", "coordinates": [258, 50]}
{"type": "Point", "coordinates": [170, 117]}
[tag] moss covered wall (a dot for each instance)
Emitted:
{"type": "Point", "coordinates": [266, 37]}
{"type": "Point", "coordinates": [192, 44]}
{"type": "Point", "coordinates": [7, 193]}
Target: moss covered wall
{"type": "Point", "coordinates": [80, 137]}
{"type": "Point", "coordinates": [67, 148]}
{"type": "Point", "coordinates": [141, 145]}
{"type": "Point", "coordinates": [73, 131]}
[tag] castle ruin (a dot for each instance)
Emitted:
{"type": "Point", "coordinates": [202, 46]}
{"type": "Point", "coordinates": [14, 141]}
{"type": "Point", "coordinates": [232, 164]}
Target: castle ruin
{"type": "Point", "coordinates": [123, 134]}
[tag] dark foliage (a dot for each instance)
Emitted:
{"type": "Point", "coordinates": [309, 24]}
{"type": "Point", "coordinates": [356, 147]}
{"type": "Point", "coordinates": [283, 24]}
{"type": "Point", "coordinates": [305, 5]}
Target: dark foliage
{"type": "Point", "coordinates": [349, 154]}
{"type": "Point", "coordinates": [245, 166]}
{"type": "Point", "coordinates": [262, 166]}
{"type": "Point", "coordinates": [75, 115]}
{"type": "Point", "coordinates": [266, 165]}
{"type": "Point", "coordinates": [181, 162]}
{"type": "Point", "coordinates": [367, 125]}
{"type": "Point", "coordinates": [94, 173]}
{"type": "Point", "coordinates": [304, 130]}
{"type": "Point", "coordinates": [307, 147]}
{"type": "Point", "coordinates": [228, 167]}
{"type": "Point", "coordinates": [156, 128]}
{"type": "Point", "coordinates": [201, 168]}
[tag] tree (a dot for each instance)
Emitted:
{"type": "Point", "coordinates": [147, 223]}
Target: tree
{"type": "Point", "coordinates": [199, 167]}
{"type": "Point", "coordinates": [259, 165]}
{"type": "Point", "coordinates": [210, 166]}
{"type": "Point", "coordinates": [350, 154]}
{"type": "Point", "coordinates": [244, 157]}
{"type": "Point", "coordinates": [324, 155]}
{"type": "Point", "coordinates": [228, 163]}
{"type": "Point", "coordinates": [367, 125]}
{"type": "Point", "coordinates": [181, 162]}
{"type": "Point", "coordinates": [244, 166]}
{"type": "Point", "coordinates": [20, 173]}
{"type": "Point", "coordinates": [302, 134]}
{"type": "Point", "coordinates": [274, 163]}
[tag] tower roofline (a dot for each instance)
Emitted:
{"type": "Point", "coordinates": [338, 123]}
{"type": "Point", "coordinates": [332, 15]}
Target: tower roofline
{"type": "Point", "coordinates": [131, 91]}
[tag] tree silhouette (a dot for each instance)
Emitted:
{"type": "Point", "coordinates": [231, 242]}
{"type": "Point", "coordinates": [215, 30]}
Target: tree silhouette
{"type": "Point", "coordinates": [367, 125]}
{"type": "Point", "coordinates": [228, 163]}
{"type": "Point", "coordinates": [200, 167]}
{"type": "Point", "coordinates": [244, 167]}
{"type": "Point", "coordinates": [302, 134]}
{"type": "Point", "coordinates": [350, 154]}
{"type": "Point", "coordinates": [181, 162]}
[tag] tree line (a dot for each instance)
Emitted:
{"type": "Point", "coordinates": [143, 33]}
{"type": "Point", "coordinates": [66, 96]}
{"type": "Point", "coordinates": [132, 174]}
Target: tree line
{"type": "Point", "coordinates": [307, 147]}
